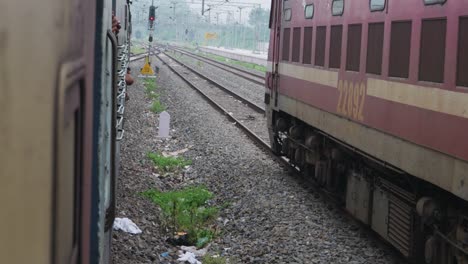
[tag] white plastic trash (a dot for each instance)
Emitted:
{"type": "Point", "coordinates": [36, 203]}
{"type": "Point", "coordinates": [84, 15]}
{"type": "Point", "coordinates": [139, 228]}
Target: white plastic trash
{"type": "Point", "coordinates": [126, 225]}
{"type": "Point", "coordinates": [190, 257]}
{"type": "Point", "coordinates": [197, 253]}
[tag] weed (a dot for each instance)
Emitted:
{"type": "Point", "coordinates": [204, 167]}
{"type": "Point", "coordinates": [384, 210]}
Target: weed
{"type": "Point", "coordinates": [187, 210]}
{"type": "Point", "coordinates": [168, 163]}
{"type": "Point", "coordinates": [137, 50]}
{"type": "Point", "coordinates": [209, 259]}
{"type": "Point", "coordinates": [150, 86]}
{"type": "Point", "coordinates": [225, 205]}
{"type": "Point", "coordinates": [153, 95]}
{"type": "Point", "coordinates": [157, 107]}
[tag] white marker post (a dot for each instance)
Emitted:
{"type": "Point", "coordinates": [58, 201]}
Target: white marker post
{"type": "Point", "coordinates": [164, 121]}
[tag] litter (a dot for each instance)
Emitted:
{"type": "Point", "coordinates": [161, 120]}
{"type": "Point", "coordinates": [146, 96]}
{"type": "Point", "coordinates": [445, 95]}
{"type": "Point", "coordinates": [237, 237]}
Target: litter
{"type": "Point", "coordinates": [126, 225]}
{"type": "Point", "coordinates": [197, 253]}
{"type": "Point", "coordinates": [188, 256]}
{"type": "Point", "coordinates": [165, 254]}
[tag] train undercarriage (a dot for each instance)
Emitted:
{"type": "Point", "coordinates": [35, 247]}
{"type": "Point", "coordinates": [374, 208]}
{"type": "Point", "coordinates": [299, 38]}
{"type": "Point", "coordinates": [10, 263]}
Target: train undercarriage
{"type": "Point", "coordinates": [423, 222]}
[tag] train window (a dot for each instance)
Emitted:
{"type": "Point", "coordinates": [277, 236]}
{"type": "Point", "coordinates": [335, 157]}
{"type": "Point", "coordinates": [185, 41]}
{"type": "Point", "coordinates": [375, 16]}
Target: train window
{"type": "Point", "coordinates": [286, 39]}
{"type": "Point", "coordinates": [377, 5]}
{"type": "Point", "coordinates": [400, 44]}
{"type": "Point", "coordinates": [309, 11]}
{"type": "Point", "coordinates": [432, 50]}
{"type": "Point", "coordinates": [307, 56]}
{"type": "Point", "coordinates": [335, 46]}
{"type": "Point", "coordinates": [296, 45]}
{"type": "Point", "coordinates": [375, 48]}
{"type": "Point", "coordinates": [337, 7]}
{"type": "Point", "coordinates": [462, 65]}
{"type": "Point", "coordinates": [320, 46]}
{"type": "Point", "coordinates": [287, 14]}
{"type": "Point", "coordinates": [353, 48]}
{"type": "Point", "coordinates": [434, 2]}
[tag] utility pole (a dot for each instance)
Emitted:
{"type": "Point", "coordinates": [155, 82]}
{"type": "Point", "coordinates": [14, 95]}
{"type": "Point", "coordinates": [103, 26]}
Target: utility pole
{"type": "Point", "coordinates": [203, 7]}
{"type": "Point", "coordinates": [241, 29]}
{"type": "Point", "coordinates": [173, 19]}
{"type": "Point", "coordinates": [256, 33]}
{"type": "Point", "coordinates": [209, 14]}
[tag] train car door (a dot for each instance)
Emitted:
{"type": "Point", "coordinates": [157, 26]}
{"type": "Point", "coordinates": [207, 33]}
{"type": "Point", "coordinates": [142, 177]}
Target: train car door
{"type": "Point", "coordinates": [275, 27]}
{"type": "Point", "coordinates": [73, 152]}
{"type": "Point", "coordinates": [69, 157]}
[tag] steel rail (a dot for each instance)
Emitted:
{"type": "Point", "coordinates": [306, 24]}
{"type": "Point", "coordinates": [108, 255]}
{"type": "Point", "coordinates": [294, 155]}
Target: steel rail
{"type": "Point", "coordinates": [222, 63]}
{"type": "Point", "coordinates": [330, 197]}
{"type": "Point", "coordinates": [211, 101]}
{"type": "Point", "coordinates": [219, 62]}
{"type": "Point", "coordinates": [138, 56]}
{"type": "Point", "coordinates": [234, 70]}
{"type": "Point", "coordinates": [251, 104]}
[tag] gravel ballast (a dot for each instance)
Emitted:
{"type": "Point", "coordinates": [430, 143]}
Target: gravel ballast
{"type": "Point", "coordinates": [270, 217]}
{"type": "Point", "coordinates": [243, 87]}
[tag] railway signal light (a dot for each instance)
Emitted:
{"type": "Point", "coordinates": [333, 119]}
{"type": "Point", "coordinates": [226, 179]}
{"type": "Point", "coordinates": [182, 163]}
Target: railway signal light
{"type": "Point", "coordinates": [152, 13]}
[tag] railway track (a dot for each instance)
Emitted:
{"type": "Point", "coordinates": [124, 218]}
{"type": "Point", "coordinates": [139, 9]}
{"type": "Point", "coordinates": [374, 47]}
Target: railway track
{"type": "Point", "coordinates": [245, 74]}
{"type": "Point", "coordinates": [252, 121]}
{"type": "Point", "coordinates": [139, 56]}
{"type": "Point", "coordinates": [246, 115]}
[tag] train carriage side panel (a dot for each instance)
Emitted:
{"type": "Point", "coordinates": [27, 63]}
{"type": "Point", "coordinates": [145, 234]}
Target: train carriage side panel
{"type": "Point", "coordinates": [103, 160]}
{"type": "Point", "coordinates": [46, 120]}
{"type": "Point", "coordinates": [415, 125]}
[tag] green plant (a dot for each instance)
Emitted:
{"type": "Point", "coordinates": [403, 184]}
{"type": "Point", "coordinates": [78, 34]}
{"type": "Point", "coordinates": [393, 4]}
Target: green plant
{"type": "Point", "coordinates": [157, 107]}
{"type": "Point", "coordinates": [168, 163]}
{"type": "Point", "coordinates": [187, 210]}
{"type": "Point", "coordinates": [153, 95]}
{"type": "Point", "coordinates": [150, 86]}
{"type": "Point", "coordinates": [137, 50]}
{"type": "Point", "coordinates": [209, 259]}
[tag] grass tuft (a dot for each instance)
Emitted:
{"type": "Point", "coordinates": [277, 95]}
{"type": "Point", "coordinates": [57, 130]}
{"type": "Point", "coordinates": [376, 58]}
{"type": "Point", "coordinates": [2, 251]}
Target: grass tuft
{"type": "Point", "coordinates": [137, 50]}
{"type": "Point", "coordinates": [150, 89]}
{"type": "Point", "coordinates": [150, 86]}
{"type": "Point", "coordinates": [209, 259]}
{"type": "Point", "coordinates": [168, 163]}
{"type": "Point", "coordinates": [157, 107]}
{"type": "Point", "coordinates": [187, 210]}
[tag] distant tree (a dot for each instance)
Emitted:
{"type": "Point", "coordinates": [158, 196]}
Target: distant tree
{"type": "Point", "coordinates": [259, 17]}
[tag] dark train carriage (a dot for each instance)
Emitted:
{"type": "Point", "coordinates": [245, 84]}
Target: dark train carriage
{"type": "Point", "coordinates": [61, 115]}
{"type": "Point", "coordinates": [371, 99]}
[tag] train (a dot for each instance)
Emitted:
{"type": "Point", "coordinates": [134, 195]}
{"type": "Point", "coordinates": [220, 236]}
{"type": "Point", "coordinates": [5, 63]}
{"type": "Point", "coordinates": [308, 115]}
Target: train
{"type": "Point", "coordinates": [62, 105]}
{"type": "Point", "coordinates": [369, 100]}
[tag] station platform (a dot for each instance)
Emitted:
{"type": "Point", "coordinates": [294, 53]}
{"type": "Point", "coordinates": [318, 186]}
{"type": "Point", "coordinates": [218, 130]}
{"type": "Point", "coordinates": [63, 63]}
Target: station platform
{"type": "Point", "coordinates": [237, 54]}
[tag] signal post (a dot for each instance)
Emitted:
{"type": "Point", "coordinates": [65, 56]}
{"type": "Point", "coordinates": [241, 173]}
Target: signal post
{"type": "Point", "coordinates": [147, 70]}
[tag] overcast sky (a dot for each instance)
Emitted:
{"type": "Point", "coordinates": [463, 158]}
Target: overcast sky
{"type": "Point", "coordinates": [217, 6]}
{"type": "Point", "coordinates": [265, 3]}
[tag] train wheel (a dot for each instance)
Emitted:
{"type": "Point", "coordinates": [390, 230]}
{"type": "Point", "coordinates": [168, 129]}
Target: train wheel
{"type": "Point", "coordinates": [275, 145]}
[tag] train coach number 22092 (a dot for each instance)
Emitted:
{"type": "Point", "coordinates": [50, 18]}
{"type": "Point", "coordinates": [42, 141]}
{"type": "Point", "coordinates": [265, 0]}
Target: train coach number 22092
{"type": "Point", "coordinates": [351, 99]}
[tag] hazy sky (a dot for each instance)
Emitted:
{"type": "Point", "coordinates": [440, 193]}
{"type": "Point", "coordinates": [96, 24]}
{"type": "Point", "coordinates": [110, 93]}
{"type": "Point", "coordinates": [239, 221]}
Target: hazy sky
{"type": "Point", "coordinates": [220, 7]}
{"type": "Point", "coordinates": [230, 5]}
{"type": "Point", "coordinates": [265, 3]}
